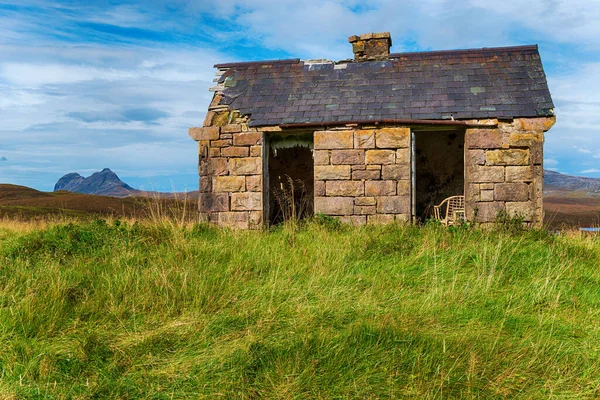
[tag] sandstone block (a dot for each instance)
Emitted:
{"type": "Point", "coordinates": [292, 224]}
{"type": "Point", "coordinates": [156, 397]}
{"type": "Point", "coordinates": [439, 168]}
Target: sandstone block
{"type": "Point", "coordinates": [393, 205]}
{"type": "Point", "coordinates": [205, 184]}
{"type": "Point", "coordinates": [472, 192]}
{"type": "Point", "coordinates": [213, 166]}
{"type": "Point", "coordinates": [214, 152]}
{"type": "Point", "coordinates": [402, 218]}
{"type": "Point", "coordinates": [231, 128]}
{"type": "Point", "coordinates": [326, 140]}
{"type": "Point", "coordinates": [484, 174]}
{"type": "Point", "coordinates": [403, 156]}
{"type": "Point", "coordinates": [511, 192]}
{"type": "Point", "coordinates": [246, 201]}
{"type": "Point", "coordinates": [537, 124]}
{"type": "Point", "coordinates": [358, 167]}
{"type": "Point", "coordinates": [220, 143]}
{"type": "Point", "coordinates": [525, 139]}
{"type": "Point", "coordinates": [380, 188]}
{"type": "Point", "coordinates": [367, 174]}
{"type": "Point", "coordinates": [208, 119]}
{"type": "Point", "coordinates": [319, 188]}
{"type": "Point", "coordinates": [254, 183]}
{"type": "Point", "coordinates": [347, 156]}
{"type": "Point", "coordinates": [344, 188]}
{"type": "Point", "coordinates": [355, 220]}
{"type": "Point", "coordinates": [237, 220]}
{"type": "Point", "coordinates": [365, 210]}
{"type": "Point", "coordinates": [392, 138]}
{"type": "Point", "coordinates": [205, 133]}
{"type": "Point", "coordinates": [255, 219]}
{"type": "Point", "coordinates": [211, 202]}
{"type": "Point", "coordinates": [381, 157]}
{"type": "Point", "coordinates": [365, 201]}
{"type": "Point", "coordinates": [483, 138]}
{"type": "Point", "coordinates": [396, 171]}
{"type": "Point", "coordinates": [486, 195]}
{"type": "Point", "coordinates": [380, 219]}
{"type": "Point", "coordinates": [403, 188]}
{"type": "Point", "coordinates": [245, 166]}
{"type": "Point", "coordinates": [334, 205]}
{"type": "Point", "coordinates": [507, 157]}
{"type": "Point", "coordinates": [255, 151]}
{"type": "Point", "coordinates": [224, 136]}
{"type": "Point", "coordinates": [321, 157]}
{"type": "Point", "coordinates": [235, 151]}
{"type": "Point", "coordinates": [487, 212]}
{"type": "Point", "coordinates": [525, 210]}
{"type": "Point", "coordinates": [536, 151]}
{"type": "Point", "coordinates": [475, 157]}
{"type": "Point", "coordinates": [229, 184]}
{"type": "Point", "coordinates": [364, 139]}
{"type": "Point", "coordinates": [332, 172]}
{"type": "Point", "coordinates": [519, 174]}
{"type": "Point", "coordinates": [486, 186]}
{"type": "Point", "coordinates": [247, 138]}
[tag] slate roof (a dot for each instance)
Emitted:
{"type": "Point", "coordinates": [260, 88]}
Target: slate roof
{"type": "Point", "coordinates": [504, 82]}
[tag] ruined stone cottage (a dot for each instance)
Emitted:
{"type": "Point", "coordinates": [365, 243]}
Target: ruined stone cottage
{"type": "Point", "coordinates": [378, 138]}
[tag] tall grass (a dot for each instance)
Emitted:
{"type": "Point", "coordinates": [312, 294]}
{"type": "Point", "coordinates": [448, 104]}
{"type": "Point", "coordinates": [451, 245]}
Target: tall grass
{"type": "Point", "coordinates": [157, 310]}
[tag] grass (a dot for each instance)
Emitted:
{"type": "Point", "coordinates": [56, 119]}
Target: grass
{"type": "Point", "coordinates": [172, 310]}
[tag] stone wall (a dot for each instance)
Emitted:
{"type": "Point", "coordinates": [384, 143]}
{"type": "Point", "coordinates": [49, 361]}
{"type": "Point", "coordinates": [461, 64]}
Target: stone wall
{"type": "Point", "coordinates": [363, 176]}
{"type": "Point", "coordinates": [504, 169]}
{"type": "Point", "coordinates": [230, 168]}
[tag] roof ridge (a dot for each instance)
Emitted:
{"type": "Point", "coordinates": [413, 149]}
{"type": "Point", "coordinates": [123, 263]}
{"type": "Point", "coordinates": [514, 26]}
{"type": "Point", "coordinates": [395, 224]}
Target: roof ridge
{"type": "Point", "coordinates": [465, 51]}
{"type": "Point", "coordinates": [257, 63]}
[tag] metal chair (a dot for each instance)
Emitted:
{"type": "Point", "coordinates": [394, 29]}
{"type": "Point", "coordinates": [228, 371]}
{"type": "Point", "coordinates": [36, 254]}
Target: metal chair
{"type": "Point", "coordinates": [454, 210]}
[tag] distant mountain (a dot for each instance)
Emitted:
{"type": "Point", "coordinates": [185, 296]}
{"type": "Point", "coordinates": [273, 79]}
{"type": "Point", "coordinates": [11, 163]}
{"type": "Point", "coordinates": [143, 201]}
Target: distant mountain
{"type": "Point", "coordinates": [103, 183]}
{"type": "Point", "coordinates": [554, 181]}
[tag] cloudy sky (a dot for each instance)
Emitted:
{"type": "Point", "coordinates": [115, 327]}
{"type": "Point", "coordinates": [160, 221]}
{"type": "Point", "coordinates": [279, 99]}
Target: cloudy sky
{"type": "Point", "coordinates": [91, 84]}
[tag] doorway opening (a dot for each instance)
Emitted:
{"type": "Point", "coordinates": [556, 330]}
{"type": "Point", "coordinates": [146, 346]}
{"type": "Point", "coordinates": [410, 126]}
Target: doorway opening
{"type": "Point", "coordinates": [439, 169]}
{"type": "Point", "coordinates": [289, 177]}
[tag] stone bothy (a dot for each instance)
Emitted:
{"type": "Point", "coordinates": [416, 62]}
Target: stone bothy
{"type": "Point", "coordinates": [376, 139]}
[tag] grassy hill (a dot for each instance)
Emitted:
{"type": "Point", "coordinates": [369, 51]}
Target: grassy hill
{"type": "Point", "coordinates": [161, 311]}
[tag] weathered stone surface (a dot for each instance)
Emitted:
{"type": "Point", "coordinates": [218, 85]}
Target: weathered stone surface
{"type": "Point", "coordinates": [255, 151]}
{"type": "Point", "coordinates": [393, 205]}
{"type": "Point", "coordinates": [355, 220]}
{"type": "Point", "coordinates": [237, 220]}
{"type": "Point", "coordinates": [367, 174]}
{"type": "Point", "coordinates": [231, 128]}
{"type": "Point", "coordinates": [365, 210]}
{"type": "Point", "coordinates": [478, 173]}
{"type": "Point", "coordinates": [519, 174]}
{"type": "Point", "coordinates": [245, 166]}
{"type": "Point", "coordinates": [486, 186]}
{"type": "Point", "coordinates": [334, 205]}
{"type": "Point", "coordinates": [344, 188]}
{"type": "Point", "coordinates": [380, 219]}
{"type": "Point", "coordinates": [507, 157]}
{"type": "Point", "coordinates": [247, 138]}
{"type": "Point", "coordinates": [205, 184]}
{"type": "Point", "coordinates": [347, 156]}
{"type": "Point", "coordinates": [403, 188]}
{"type": "Point", "coordinates": [396, 171]}
{"type": "Point", "coordinates": [475, 157]}
{"type": "Point", "coordinates": [211, 202]}
{"type": "Point", "coordinates": [525, 210]}
{"type": "Point", "coordinates": [392, 138]}
{"type": "Point", "coordinates": [213, 166]}
{"type": "Point", "coordinates": [525, 139]}
{"type": "Point", "coordinates": [220, 143]}
{"type": "Point", "coordinates": [214, 152]}
{"type": "Point", "coordinates": [365, 201]}
{"type": "Point", "coordinates": [235, 151]}
{"type": "Point", "coordinates": [511, 192]}
{"type": "Point", "coordinates": [537, 124]}
{"type": "Point", "coordinates": [486, 195]}
{"type": "Point", "coordinates": [381, 157]}
{"type": "Point", "coordinates": [319, 188]}
{"type": "Point", "coordinates": [380, 188]}
{"type": "Point", "coordinates": [364, 139]}
{"type": "Point", "coordinates": [332, 172]}
{"type": "Point", "coordinates": [472, 192]}
{"type": "Point", "coordinates": [224, 136]}
{"type": "Point", "coordinates": [326, 140]}
{"type": "Point", "coordinates": [487, 212]}
{"type": "Point", "coordinates": [208, 119]}
{"type": "Point", "coordinates": [403, 156]}
{"type": "Point", "coordinates": [205, 133]}
{"type": "Point", "coordinates": [254, 183]}
{"type": "Point", "coordinates": [483, 138]}
{"type": "Point", "coordinates": [321, 157]}
{"type": "Point", "coordinates": [255, 219]}
{"type": "Point", "coordinates": [361, 167]}
{"type": "Point", "coordinates": [246, 201]}
{"type": "Point", "coordinates": [229, 184]}
{"type": "Point", "coordinates": [536, 151]}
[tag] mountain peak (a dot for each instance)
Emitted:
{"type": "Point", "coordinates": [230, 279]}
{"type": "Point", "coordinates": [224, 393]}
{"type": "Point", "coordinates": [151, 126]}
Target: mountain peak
{"type": "Point", "coordinates": [105, 183]}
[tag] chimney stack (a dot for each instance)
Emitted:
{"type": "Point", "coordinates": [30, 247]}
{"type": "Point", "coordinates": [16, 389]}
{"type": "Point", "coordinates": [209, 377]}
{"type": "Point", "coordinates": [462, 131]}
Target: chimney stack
{"type": "Point", "coordinates": [371, 46]}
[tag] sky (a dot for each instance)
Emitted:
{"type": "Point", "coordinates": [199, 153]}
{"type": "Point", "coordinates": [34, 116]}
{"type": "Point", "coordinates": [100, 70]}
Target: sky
{"type": "Point", "coordinates": [87, 85]}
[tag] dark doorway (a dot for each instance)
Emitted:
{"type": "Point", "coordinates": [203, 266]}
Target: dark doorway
{"type": "Point", "coordinates": [439, 169]}
{"type": "Point", "coordinates": [290, 177]}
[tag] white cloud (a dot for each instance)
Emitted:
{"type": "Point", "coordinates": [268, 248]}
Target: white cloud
{"type": "Point", "coordinates": [549, 162]}
{"type": "Point", "coordinates": [590, 171]}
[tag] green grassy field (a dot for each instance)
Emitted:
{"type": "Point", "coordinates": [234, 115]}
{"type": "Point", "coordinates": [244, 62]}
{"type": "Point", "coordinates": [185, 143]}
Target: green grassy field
{"type": "Point", "coordinates": [161, 311]}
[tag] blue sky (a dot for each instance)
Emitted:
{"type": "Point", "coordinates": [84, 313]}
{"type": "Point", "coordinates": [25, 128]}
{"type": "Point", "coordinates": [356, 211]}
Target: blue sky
{"type": "Point", "coordinates": [100, 83]}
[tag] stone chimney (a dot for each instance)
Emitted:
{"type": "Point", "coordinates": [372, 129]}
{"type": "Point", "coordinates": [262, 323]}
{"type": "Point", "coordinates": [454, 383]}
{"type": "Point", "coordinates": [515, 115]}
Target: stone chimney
{"type": "Point", "coordinates": [371, 46]}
